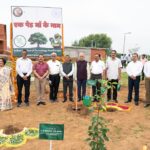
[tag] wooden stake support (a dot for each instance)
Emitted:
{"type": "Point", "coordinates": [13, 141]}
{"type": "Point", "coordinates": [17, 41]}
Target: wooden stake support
{"type": "Point", "coordinates": [76, 106]}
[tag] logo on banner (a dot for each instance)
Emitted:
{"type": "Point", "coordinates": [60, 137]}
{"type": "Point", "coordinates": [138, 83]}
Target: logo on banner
{"type": "Point", "coordinates": [17, 12]}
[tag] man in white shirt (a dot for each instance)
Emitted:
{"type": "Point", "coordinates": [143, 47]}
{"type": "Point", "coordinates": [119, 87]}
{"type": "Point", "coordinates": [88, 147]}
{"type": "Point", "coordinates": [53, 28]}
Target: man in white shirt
{"type": "Point", "coordinates": [143, 60]}
{"type": "Point", "coordinates": [147, 83]}
{"type": "Point", "coordinates": [24, 70]}
{"type": "Point", "coordinates": [113, 74]}
{"type": "Point", "coordinates": [134, 70]}
{"type": "Point", "coordinates": [67, 70]}
{"type": "Point", "coordinates": [97, 70]}
{"type": "Point", "coordinates": [54, 76]}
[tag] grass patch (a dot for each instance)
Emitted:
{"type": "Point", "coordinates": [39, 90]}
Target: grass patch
{"type": "Point", "coordinates": [124, 79]}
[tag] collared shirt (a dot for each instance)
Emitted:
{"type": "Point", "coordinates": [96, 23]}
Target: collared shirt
{"type": "Point", "coordinates": [134, 68]}
{"type": "Point", "coordinates": [69, 74]}
{"type": "Point", "coordinates": [40, 68]}
{"type": "Point", "coordinates": [54, 67]}
{"type": "Point", "coordinates": [143, 61]}
{"type": "Point", "coordinates": [147, 69]}
{"type": "Point", "coordinates": [24, 66]}
{"type": "Point", "coordinates": [97, 67]}
{"type": "Point", "coordinates": [112, 66]}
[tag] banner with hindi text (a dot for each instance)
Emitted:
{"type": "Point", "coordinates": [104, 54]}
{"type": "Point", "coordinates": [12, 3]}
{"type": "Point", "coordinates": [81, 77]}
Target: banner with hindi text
{"type": "Point", "coordinates": [36, 29]}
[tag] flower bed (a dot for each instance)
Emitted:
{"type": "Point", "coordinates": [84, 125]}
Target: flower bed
{"type": "Point", "coordinates": [18, 139]}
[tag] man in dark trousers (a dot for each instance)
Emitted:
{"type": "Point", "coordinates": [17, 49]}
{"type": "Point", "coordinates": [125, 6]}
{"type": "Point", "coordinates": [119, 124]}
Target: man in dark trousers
{"type": "Point", "coordinates": [82, 74]}
{"type": "Point", "coordinates": [67, 70]}
{"type": "Point", "coordinates": [113, 75]}
{"type": "Point", "coordinates": [54, 76]}
{"type": "Point", "coordinates": [134, 70]}
{"type": "Point", "coordinates": [97, 70]}
{"type": "Point", "coordinates": [24, 70]}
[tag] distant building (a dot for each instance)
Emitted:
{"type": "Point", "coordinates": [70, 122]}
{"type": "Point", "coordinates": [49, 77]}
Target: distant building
{"type": "Point", "coordinates": [3, 38]}
{"type": "Point", "coordinates": [89, 52]}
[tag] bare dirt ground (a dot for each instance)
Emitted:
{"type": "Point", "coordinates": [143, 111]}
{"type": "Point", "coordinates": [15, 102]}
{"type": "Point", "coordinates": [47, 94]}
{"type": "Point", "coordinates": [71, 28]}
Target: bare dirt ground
{"type": "Point", "coordinates": [128, 130]}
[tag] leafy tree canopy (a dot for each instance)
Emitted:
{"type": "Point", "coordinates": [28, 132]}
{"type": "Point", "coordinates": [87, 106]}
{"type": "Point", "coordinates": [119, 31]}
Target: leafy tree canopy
{"type": "Point", "coordinates": [94, 40]}
{"type": "Point", "coordinates": [37, 38]}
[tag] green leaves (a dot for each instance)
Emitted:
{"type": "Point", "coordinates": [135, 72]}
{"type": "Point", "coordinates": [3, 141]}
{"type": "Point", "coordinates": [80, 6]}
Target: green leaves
{"type": "Point", "coordinates": [94, 40]}
{"type": "Point", "coordinates": [97, 132]}
{"type": "Point", "coordinates": [37, 38]}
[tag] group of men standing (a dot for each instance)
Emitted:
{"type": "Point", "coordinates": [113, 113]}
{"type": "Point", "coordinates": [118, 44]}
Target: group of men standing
{"type": "Point", "coordinates": [81, 71]}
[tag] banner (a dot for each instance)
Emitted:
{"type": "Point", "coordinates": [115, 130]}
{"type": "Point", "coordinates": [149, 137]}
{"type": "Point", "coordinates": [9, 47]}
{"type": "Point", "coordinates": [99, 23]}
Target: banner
{"type": "Point", "coordinates": [36, 29]}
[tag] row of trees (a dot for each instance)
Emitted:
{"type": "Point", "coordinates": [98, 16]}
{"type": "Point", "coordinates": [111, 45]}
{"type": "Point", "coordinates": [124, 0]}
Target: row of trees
{"type": "Point", "coordinates": [94, 40]}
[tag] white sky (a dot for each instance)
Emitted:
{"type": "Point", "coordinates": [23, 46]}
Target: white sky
{"type": "Point", "coordinates": [83, 17]}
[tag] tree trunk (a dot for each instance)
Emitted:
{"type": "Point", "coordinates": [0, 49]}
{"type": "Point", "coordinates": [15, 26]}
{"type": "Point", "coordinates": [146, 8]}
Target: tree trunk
{"type": "Point", "coordinates": [38, 45]}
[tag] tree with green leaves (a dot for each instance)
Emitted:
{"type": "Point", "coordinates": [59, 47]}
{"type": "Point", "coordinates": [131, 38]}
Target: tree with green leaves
{"type": "Point", "coordinates": [37, 38]}
{"type": "Point", "coordinates": [94, 40]}
{"type": "Point", "coordinates": [97, 131]}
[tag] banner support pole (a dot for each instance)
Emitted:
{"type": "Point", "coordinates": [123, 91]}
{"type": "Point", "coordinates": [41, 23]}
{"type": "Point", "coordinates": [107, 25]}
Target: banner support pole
{"type": "Point", "coordinates": [13, 64]}
{"type": "Point", "coordinates": [50, 144]}
{"type": "Point", "coordinates": [63, 47]}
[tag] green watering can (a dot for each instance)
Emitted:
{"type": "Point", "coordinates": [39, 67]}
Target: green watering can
{"type": "Point", "coordinates": [118, 87]}
{"type": "Point", "coordinates": [103, 90]}
{"type": "Point", "coordinates": [91, 82]}
{"type": "Point", "coordinates": [87, 101]}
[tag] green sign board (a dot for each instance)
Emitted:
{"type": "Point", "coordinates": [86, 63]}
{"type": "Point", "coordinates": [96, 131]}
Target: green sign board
{"type": "Point", "coordinates": [51, 131]}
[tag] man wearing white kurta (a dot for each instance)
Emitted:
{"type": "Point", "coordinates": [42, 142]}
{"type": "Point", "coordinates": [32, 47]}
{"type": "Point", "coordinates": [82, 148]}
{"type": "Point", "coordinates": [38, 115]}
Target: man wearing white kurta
{"type": "Point", "coordinates": [134, 70]}
{"type": "Point", "coordinates": [147, 83]}
{"type": "Point", "coordinates": [97, 69]}
{"type": "Point", "coordinates": [113, 74]}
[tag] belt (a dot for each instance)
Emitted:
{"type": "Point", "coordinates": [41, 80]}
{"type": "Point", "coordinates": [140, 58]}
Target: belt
{"type": "Point", "coordinates": [97, 74]}
{"type": "Point", "coordinates": [54, 74]}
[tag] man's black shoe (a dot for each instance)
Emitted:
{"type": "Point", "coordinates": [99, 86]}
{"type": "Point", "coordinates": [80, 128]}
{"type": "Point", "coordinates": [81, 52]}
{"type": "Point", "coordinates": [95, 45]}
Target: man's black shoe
{"type": "Point", "coordinates": [43, 103]}
{"type": "Point", "coordinates": [27, 104]}
{"type": "Point", "coordinates": [19, 105]}
{"type": "Point", "coordinates": [146, 105]}
{"type": "Point", "coordinates": [127, 101]}
{"type": "Point", "coordinates": [95, 100]}
{"type": "Point", "coordinates": [71, 100]}
{"type": "Point", "coordinates": [38, 103]}
{"type": "Point", "coordinates": [64, 100]}
{"type": "Point", "coordinates": [116, 101]}
{"type": "Point", "coordinates": [136, 103]}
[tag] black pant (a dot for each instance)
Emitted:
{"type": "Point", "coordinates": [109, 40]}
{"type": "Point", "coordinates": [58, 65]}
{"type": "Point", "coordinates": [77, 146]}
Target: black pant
{"type": "Point", "coordinates": [143, 76]}
{"type": "Point", "coordinates": [26, 83]}
{"type": "Point", "coordinates": [133, 84]}
{"type": "Point", "coordinates": [70, 85]}
{"type": "Point", "coordinates": [54, 85]}
{"type": "Point", "coordinates": [96, 89]}
{"type": "Point", "coordinates": [81, 89]}
{"type": "Point", "coordinates": [113, 83]}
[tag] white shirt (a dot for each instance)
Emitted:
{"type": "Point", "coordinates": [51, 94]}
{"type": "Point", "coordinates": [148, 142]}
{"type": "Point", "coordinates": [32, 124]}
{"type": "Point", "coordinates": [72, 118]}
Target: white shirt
{"type": "Point", "coordinates": [112, 67]}
{"type": "Point", "coordinates": [97, 67]}
{"type": "Point", "coordinates": [69, 74]}
{"type": "Point", "coordinates": [134, 68]}
{"type": "Point", "coordinates": [23, 66]}
{"type": "Point", "coordinates": [54, 67]}
{"type": "Point", "coordinates": [147, 69]}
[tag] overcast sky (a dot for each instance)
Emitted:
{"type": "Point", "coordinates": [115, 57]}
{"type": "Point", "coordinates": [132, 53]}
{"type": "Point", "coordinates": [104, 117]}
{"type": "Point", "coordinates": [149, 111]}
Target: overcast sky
{"type": "Point", "coordinates": [83, 17]}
